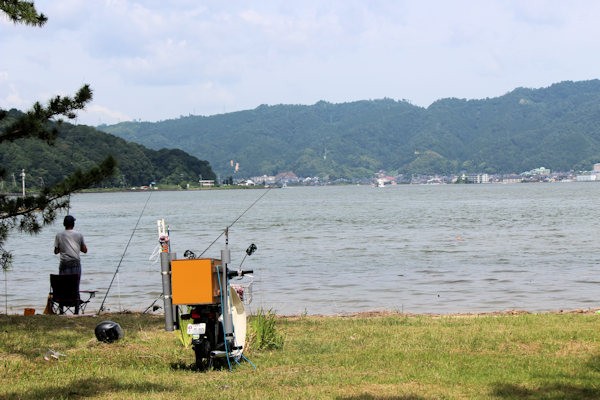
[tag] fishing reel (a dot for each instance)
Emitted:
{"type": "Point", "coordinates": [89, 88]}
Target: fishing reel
{"type": "Point", "coordinates": [189, 254]}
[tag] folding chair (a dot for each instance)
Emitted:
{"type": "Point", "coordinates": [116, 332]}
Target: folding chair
{"type": "Point", "coordinates": [66, 296]}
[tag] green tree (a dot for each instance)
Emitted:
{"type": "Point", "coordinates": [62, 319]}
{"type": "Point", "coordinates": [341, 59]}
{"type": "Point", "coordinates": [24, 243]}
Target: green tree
{"type": "Point", "coordinates": [30, 213]}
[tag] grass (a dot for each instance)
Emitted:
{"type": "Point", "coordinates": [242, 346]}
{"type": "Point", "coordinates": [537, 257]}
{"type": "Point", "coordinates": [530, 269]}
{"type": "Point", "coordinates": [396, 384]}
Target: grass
{"type": "Point", "coordinates": [263, 334]}
{"type": "Point", "coordinates": [380, 356]}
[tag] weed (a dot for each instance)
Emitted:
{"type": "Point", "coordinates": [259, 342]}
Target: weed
{"type": "Point", "coordinates": [263, 333]}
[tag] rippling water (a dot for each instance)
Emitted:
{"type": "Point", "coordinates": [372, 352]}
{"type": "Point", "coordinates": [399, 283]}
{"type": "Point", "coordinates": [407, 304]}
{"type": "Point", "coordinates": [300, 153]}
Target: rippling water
{"type": "Point", "coordinates": [331, 250]}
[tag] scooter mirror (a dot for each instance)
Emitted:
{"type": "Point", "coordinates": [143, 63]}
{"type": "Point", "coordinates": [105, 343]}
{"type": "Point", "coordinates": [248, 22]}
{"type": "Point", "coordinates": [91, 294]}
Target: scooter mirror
{"type": "Point", "coordinates": [251, 249]}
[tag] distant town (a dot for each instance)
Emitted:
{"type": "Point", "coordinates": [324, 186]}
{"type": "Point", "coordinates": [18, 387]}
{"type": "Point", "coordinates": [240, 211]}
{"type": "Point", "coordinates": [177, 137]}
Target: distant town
{"type": "Point", "coordinates": [382, 179]}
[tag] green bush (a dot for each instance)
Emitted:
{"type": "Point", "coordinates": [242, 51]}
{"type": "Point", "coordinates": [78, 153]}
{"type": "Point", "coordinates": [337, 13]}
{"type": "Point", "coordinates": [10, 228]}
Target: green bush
{"type": "Point", "coordinates": [263, 334]}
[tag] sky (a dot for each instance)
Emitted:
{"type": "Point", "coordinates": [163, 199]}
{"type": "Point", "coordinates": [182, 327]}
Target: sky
{"type": "Point", "coordinates": [156, 60]}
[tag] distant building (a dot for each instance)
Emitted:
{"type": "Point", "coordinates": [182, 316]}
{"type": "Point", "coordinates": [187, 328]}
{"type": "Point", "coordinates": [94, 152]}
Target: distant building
{"type": "Point", "coordinates": [477, 178]}
{"type": "Point", "coordinates": [586, 178]}
{"type": "Point", "coordinates": [206, 182]}
{"type": "Point", "coordinates": [265, 180]}
{"type": "Point", "coordinates": [538, 171]}
{"type": "Point", "coordinates": [286, 177]}
{"type": "Point", "coordinates": [511, 179]}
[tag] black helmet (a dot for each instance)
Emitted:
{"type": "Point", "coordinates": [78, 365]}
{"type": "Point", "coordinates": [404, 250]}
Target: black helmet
{"type": "Point", "coordinates": [108, 331]}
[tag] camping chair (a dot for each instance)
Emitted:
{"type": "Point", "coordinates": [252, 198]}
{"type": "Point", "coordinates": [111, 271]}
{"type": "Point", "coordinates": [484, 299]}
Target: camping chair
{"type": "Point", "coordinates": [65, 294]}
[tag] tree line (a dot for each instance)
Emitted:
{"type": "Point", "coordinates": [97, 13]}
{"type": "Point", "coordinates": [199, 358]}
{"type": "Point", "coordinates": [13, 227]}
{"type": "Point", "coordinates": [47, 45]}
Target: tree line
{"type": "Point", "coordinates": [557, 127]}
{"type": "Point", "coordinates": [80, 147]}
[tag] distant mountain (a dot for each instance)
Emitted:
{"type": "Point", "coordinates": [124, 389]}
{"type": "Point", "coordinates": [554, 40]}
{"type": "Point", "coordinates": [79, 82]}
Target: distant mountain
{"type": "Point", "coordinates": [81, 147]}
{"type": "Point", "coordinates": [557, 127]}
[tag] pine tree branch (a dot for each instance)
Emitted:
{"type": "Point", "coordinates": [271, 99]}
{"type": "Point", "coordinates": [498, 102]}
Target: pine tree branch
{"type": "Point", "coordinates": [31, 213]}
{"type": "Point", "coordinates": [22, 12]}
{"type": "Point", "coordinates": [36, 122]}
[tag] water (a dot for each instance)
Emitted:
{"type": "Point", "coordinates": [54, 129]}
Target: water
{"type": "Point", "coordinates": [338, 250]}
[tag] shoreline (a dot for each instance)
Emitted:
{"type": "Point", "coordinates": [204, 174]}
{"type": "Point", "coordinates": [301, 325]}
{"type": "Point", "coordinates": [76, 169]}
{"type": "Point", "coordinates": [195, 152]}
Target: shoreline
{"type": "Point", "coordinates": [358, 314]}
{"type": "Point", "coordinates": [383, 313]}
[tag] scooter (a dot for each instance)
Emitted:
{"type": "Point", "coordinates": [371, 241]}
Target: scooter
{"type": "Point", "coordinates": [200, 290]}
{"type": "Point", "coordinates": [214, 344]}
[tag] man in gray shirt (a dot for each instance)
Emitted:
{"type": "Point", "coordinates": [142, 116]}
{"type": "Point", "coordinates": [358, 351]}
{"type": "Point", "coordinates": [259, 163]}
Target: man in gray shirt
{"type": "Point", "coordinates": [69, 243]}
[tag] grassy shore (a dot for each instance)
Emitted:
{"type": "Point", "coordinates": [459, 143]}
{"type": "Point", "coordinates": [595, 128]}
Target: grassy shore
{"type": "Point", "coordinates": [378, 356]}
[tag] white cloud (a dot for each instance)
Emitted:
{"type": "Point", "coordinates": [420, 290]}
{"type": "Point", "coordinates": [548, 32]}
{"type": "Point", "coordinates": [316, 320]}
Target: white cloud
{"type": "Point", "coordinates": [96, 114]}
{"type": "Point", "coordinates": [156, 60]}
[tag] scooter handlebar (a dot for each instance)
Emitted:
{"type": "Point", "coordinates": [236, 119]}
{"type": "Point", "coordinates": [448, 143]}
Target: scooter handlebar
{"type": "Point", "coordinates": [233, 274]}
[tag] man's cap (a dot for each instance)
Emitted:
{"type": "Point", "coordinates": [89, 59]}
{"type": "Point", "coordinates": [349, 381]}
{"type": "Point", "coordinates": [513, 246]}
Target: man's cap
{"type": "Point", "coordinates": [69, 220]}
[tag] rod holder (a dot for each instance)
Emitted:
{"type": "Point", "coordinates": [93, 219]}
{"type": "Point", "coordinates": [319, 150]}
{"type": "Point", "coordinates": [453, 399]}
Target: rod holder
{"type": "Point", "coordinates": [165, 271]}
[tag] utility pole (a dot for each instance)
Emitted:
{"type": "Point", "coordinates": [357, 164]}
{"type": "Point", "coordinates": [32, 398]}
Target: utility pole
{"type": "Point", "coordinates": [23, 180]}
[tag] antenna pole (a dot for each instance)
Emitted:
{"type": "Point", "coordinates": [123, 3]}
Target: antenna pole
{"type": "Point", "coordinates": [227, 319]}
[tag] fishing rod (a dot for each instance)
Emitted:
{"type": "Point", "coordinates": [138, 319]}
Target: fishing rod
{"type": "Point", "coordinates": [235, 221]}
{"type": "Point", "coordinates": [123, 255]}
{"type": "Point", "coordinates": [191, 255]}
{"type": "Point", "coordinates": [152, 306]}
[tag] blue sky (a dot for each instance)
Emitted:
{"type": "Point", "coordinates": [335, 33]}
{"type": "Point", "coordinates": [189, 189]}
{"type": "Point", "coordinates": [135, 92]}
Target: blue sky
{"type": "Point", "coordinates": [155, 60]}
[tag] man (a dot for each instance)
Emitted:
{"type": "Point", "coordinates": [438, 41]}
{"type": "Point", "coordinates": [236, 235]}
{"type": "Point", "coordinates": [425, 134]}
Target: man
{"type": "Point", "coordinates": [69, 243]}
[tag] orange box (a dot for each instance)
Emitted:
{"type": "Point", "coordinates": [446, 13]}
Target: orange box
{"type": "Point", "coordinates": [29, 311]}
{"type": "Point", "coordinates": [195, 281]}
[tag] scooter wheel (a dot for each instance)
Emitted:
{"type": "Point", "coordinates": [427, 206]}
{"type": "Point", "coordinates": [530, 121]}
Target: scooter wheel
{"type": "Point", "coordinates": [202, 352]}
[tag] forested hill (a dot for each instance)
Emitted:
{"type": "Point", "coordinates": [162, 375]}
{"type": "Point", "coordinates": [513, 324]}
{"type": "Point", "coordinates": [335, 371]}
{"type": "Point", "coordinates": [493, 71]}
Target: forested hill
{"type": "Point", "coordinates": [82, 147]}
{"type": "Point", "coordinates": [556, 127]}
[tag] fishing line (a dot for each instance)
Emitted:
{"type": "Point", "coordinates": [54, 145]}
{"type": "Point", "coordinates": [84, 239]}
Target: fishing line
{"type": "Point", "coordinates": [123, 255]}
{"type": "Point", "coordinates": [236, 220]}
{"type": "Point", "coordinates": [190, 254]}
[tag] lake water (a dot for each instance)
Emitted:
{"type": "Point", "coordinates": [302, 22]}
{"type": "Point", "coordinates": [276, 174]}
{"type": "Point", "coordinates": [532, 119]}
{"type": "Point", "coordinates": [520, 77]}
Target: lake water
{"type": "Point", "coordinates": [342, 249]}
